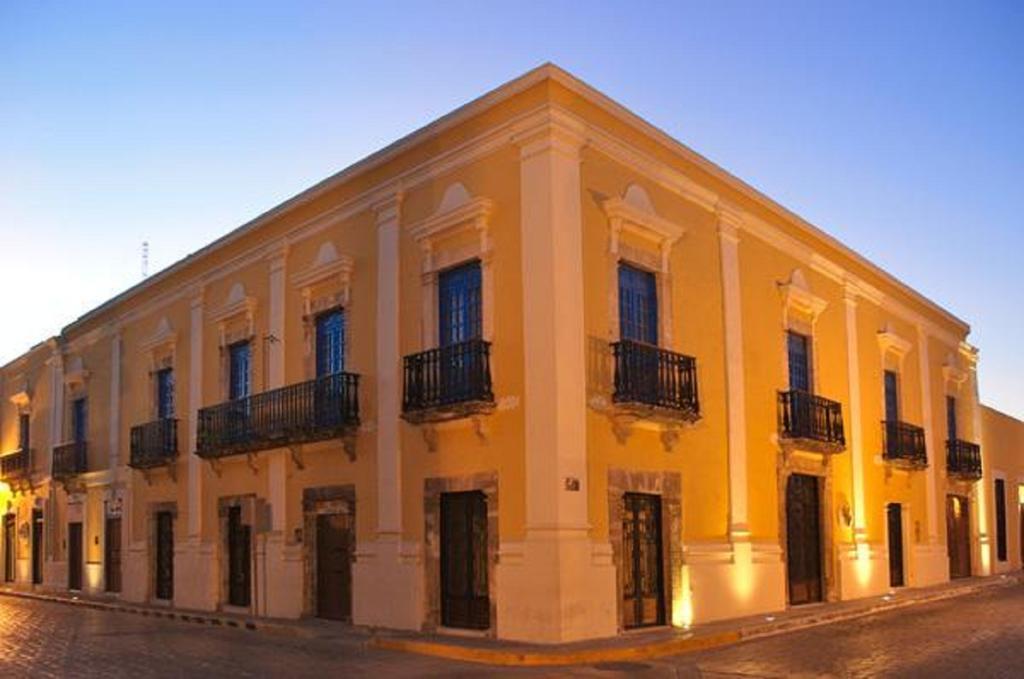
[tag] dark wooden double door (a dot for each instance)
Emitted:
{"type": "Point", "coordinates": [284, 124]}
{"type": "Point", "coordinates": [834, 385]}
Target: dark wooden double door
{"type": "Point", "coordinates": [643, 577]}
{"type": "Point", "coordinates": [75, 555]}
{"type": "Point", "coordinates": [803, 539]}
{"type": "Point", "coordinates": [9, 546]}
{"type": "Point", "coordinates": [239, 559]}
{"type": "Point", "coordinates": [164, 556]}
{"type": "Point", "coordinates": [334, 546]}
{"type": "Point", "coordinates": [112, 554]}
{"type": "Point", "coordinates": [894, 523]}
{"type": "Point", "coordinates": [465, 597]}
{"type": "Point", "coordinates": [958, 536]}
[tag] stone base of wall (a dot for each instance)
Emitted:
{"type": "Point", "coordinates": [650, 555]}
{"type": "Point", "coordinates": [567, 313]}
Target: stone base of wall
{"type": "Point", "coordinates": [723, 580]}
{"type": "Point", "coordinates": [864, 570]}
{"type": "Point", "coordinates": [195, 575]}
{"type": "Point", "coordinates": [556, 586]}
{"type": "Point", "coordinates": [387, 585]}
{"type": "Point", "coordinates": [931, 564]}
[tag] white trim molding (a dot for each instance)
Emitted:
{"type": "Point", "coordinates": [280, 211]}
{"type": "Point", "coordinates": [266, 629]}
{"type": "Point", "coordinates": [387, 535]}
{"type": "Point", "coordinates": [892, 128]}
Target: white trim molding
{"type": "Point", "coordinates": [458, 212]}
{"type": "Point", "coordinates": [890, 342]}
{"type": "Point", "coordinates": [634, 214]}
{"type": "Point", "coordinates": [797, 297]}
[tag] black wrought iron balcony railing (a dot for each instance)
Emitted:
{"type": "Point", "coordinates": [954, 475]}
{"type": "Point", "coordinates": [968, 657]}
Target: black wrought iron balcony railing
{"type": "Point", "coordinates": [70, 460]}
{"type": "Point", "coordinates": [317, 410]}
{"type": "Point", "coordinates": [903, 444]}
{"type": "Point", "coordinates": [448, 382]}
{"type": "Point", "coordinates": [154, 444]}
{"type": "Point", "coordinates": [16, 465]}
{"type": "Point", "coordinates": [812, 421]}
{"type": "Point", "coordinates": [963, 460]}
{"type": "Point", "coordinates": [655, 381]}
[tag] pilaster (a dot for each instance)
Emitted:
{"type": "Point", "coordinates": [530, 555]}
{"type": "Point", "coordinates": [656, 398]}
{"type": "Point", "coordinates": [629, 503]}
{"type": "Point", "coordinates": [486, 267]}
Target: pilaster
{"type": "Point", "coordinates": [729, 224]}
{"type": "Point", "coordinates": [387, 569]}
{"type": "Point", "coordinates": [855, 430]}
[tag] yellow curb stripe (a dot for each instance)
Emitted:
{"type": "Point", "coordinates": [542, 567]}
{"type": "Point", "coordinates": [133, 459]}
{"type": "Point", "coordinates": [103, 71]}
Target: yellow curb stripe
{"type": "Point", "coordinates": [490, 656]}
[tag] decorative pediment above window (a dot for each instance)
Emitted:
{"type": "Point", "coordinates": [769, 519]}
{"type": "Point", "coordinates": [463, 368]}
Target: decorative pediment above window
{"type": "Point", "coordinates": [238, 308]}
{"type": "Point", "coordinates": [163, 337]}
{"type": "Point", "coordinates": [328, 270]}
{"type": "Point", "coordinates": [75, 374]}
{"type": "Point", "coordinates": [891, 343]}
{"type": "Point", "coordinates": [458, 211]}
{"type": "Point", "coordinates": [22, 399]}
{"type": "Point", "coordinates": [798, 301]}
{"type": "Point", "coordinates": [954, 375]}
{"type": "Point", "coordinates": [634, 214]}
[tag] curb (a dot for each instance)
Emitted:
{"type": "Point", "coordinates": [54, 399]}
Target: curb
{"type": "Point", "coordinates": [658, 649]}
{"type": "Point", "coordinates": [490, 656]}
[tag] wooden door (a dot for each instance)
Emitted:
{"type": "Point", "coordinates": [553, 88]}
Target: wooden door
{"type": "Point", "coordinates": [803, 539]}
{"type": "Point", "coordinates": [239, 559]}
{"type": "Point", "coordinates": [164, 566]}
{"type": "Point", "coordinates": [958, 536]}
{"type": "Point", "coordinates": [9, 544]}
{"type": "Point", "coordinates": [1020, 511]}
{"type": "Point", "coordinates": [894, 515]}
{"type": "Point", "coordinates": [37, 546]}
{"type": "Point", "coordinates": [643, 590]}
{"type": "Point", "coordinates": [334, 566]}
{"type": "Point", "coordinates": [75, 555]}
{"type": "Point", "coordinates": [112, 554]}
{"type": "Point", "coordinates": [465, 599]}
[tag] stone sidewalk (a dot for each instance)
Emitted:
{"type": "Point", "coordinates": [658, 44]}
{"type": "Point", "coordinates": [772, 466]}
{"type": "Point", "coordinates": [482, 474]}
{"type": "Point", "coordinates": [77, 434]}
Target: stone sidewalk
{"type": "Point", "coordinates": [632, 646]}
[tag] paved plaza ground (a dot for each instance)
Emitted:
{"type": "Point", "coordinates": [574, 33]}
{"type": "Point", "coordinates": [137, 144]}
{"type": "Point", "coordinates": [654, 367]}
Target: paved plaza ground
{"type": "Point", "coordinates": [980, 635]}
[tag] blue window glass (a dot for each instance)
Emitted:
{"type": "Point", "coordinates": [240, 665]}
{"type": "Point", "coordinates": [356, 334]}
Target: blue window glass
{"type": "Point", "coordinates": [459, 304]}
{"type": "Point", "coordinates": [239, 357]}
{"type": "Point", "coordinates": [78, 423]}
{"type": "Point", "coordinates": [165, 393]}
{"type": "Point", "coordinates": [799, 361]}
{"type": "Point", "coordinates": [892, 396]}
{"type": "Point", "coordinates": [951, 417]}
{"type": "Point", "coordinates": [638, 305]}
{"type": "Point", "coordinates": [330, 343]}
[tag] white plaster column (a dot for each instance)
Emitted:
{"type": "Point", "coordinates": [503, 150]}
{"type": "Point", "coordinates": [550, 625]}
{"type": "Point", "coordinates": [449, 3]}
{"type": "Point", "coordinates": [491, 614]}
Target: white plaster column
{"type": "Point", "coordinates": [557, 585]}
{"type": "Point", "coordinates": [389, 376]}
{"type": "Point", "coordinates": [115, 400]}
{"type": "Point", "coordinates": [985, 545]}
{"type": "Point", "coordinates": [388, 573]}
{"type": "Point", "coordinates": [281, 594]}
{"type": "Point", "coordinates": [56, 404]}
{"type": "Point", "coordinates": [277, 480]}
{"type": "Point", "coordinates": [855, 428]}
{"type": "Point", "coordinates": [729, 223]}
{"type": "Point", "coordinates": [195, 402]}
{"type": "Point", "coordinates": [935, 452]}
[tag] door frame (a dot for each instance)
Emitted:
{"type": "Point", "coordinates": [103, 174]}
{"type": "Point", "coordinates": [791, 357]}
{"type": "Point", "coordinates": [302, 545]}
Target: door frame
{"type": "Point", "coordinates": [315, 501]}
{"type": "Point", "coordinates": [487, 482]}
{"type": "Point", "coordinates": [668, 486]}
{"type": "Point", "coordinates": [904, 536]}
{"type": "Point", "coordinates": [818, 465]}
{"type": "Point", "coordinates": [10, 547]}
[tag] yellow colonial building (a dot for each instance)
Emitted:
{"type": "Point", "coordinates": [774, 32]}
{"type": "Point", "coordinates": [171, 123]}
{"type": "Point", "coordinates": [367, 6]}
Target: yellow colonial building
{"type": "Point", "coordinates": [536, 370]}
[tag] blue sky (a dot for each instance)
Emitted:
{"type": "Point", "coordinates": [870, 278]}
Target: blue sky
{"type": "Point", "coordinates": [895, 128]}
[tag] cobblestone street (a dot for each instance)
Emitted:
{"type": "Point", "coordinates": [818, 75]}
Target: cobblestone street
{"type": "Point", "coordinates": [980, 635]}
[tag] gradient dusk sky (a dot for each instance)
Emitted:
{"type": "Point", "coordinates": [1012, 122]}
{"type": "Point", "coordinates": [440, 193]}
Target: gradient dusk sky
{"type": "Point", "coordinates": [896, 127]}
